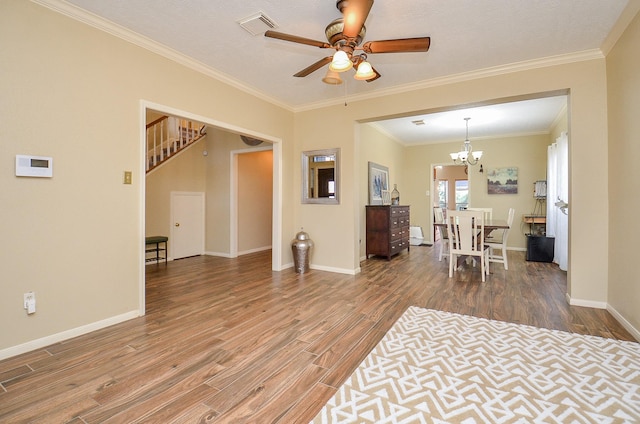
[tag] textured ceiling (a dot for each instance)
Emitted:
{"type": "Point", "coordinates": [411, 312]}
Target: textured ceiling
{"type": "Point", "coordinates": [466, 36]}
{"type": "Point", "coordinates": [526, 117]}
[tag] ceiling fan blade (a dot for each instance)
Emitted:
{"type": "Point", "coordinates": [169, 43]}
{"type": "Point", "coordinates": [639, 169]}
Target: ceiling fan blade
{"type": "Point", "coordinates": [375, 77]}
{"type": "Point", "coordinates": [296, 39]}
{"type": "Point", "coordinates": [419, 44]}
{"type": "Point", "coordinates": [354, 13]}
{"type": "Point", "coordinates": [314, 67]}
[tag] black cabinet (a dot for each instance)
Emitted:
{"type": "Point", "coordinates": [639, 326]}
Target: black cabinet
{"type": "Point", "coordinates": [540, 248]}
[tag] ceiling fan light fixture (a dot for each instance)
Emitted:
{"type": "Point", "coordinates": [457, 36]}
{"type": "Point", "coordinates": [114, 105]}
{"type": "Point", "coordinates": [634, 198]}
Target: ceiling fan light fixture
{"type": "Point", "coordinates": [341, 62]}
{"type": "Point", "coordinates": [365, 71]}
{"type": "Point", "coordinates": [332, 78]}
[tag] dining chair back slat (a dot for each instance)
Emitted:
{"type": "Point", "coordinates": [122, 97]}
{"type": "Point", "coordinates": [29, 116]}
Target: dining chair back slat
{"type": "Point", "coordinates": [488, 212]}
{"type": "Point", "coordinates": [498, 245]}
{"type": "Point", "coordinates": [466, 238]}
{"type": "Point", "coordinates": [438, 217]}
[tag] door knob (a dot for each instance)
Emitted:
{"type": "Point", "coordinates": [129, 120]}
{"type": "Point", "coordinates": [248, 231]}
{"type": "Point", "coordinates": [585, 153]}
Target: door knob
{"type": "Point", "coordinates": [177, 224]}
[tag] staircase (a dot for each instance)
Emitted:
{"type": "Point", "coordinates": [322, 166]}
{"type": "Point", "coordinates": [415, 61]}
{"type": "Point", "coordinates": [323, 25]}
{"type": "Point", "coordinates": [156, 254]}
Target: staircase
{"type": "Point", "coordinates": [167, 136]}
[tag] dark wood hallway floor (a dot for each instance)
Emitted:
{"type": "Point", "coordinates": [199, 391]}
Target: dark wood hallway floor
{"type": "Point", "coordinates": [228, 340]}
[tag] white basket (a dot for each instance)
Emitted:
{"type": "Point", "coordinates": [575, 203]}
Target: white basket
{"type": "Point", "coordinates": [415, 236]}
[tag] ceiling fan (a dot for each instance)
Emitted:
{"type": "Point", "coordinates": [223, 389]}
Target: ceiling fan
{"type": "Point", "coordinates": [345, 35]}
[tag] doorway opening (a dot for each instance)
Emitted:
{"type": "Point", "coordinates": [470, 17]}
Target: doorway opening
{"type": "Point", "coordinates": [450, 185]}
{"type": "Point", "coordinates": [230, 209]}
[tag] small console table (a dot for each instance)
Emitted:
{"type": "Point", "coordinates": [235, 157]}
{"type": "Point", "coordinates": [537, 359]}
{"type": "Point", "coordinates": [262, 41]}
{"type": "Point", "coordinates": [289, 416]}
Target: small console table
{"type": "Point", "coordinates": [537, 224]}
{"type": "Point", "coordinates": [156, 240]}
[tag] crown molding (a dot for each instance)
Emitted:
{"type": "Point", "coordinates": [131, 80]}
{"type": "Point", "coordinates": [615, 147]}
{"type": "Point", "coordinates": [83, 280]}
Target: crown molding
{"type": "Point", "coordinates": [98, 22]}
{"type": "Point", "coordinates": [560, 116]}
{"type": "Point", "coordinates": [465, 76]}
{"type": "Point", "coordinates": [102, 24]}
{"type": "Point", "coordinates": [386, 133]}
{"type": "Point", "coordinates": [625, 18]}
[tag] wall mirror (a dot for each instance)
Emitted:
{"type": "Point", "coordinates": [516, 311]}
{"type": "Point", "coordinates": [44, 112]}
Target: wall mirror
{"type": "Point", "coordinates": [320, 176]}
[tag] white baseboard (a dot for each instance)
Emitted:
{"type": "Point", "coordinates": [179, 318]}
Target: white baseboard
{"type": "Point", "coordinates": [65, 335]}
{"type": "Point", "coordinates": [604, 305]}
{"type": "Point", "coordinates": [328, 268]}
{"type": "Point", "coordinates": [586, 303]}
{"type": "Point", "coordinates": [257, 249]}
{"type": "Point", "coordinates": [220, 254]}
{"type": "Point", "coordinates": [336, 270]}
{"type": "Point", "coordinates": [244, 252]}
{"type": "Point", "coordinates": [626, 324]}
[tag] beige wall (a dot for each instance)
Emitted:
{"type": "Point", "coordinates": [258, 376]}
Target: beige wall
{"type": "Point", "coordinates": [586, 82]}
{"type": "Point", "coordinates": [527, 153]}
{"type": "Point", "coordinates": [333, 228]}
{"type": "Point", "coordinates": [378, 148]}
{"type": "Point", "coordinates": [255, 174]}
{"type": "Point", "coordinates": [185, 172]}
{"type": "Point", "coordinates": [623, 78]}
{"type": "Point", "coordinates": [223, 148]}
{"type": "Point", "coordinates": [192, 171]}
{"type": "Point", "coordinates": [74, 93]}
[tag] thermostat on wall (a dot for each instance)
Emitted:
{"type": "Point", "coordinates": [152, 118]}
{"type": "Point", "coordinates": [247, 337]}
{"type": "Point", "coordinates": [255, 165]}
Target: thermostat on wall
{"type": "Point", "coordinates": [34, 166]}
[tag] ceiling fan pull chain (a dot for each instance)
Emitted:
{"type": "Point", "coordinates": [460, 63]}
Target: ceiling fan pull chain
{"type": "Point", "coordinates": [345, 92]}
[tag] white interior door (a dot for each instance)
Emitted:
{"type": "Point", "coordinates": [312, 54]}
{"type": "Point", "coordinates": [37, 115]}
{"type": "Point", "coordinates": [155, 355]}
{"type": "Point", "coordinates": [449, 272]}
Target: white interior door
{"type": "Point", "coordinates": [187, 224]}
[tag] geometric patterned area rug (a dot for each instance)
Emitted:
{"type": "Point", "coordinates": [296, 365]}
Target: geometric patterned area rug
{"type": "Point", "coordinates": [441, 367]}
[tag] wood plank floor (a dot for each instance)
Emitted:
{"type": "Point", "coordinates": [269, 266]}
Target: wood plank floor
{"type": "Point", "coordinates": [228, 340]}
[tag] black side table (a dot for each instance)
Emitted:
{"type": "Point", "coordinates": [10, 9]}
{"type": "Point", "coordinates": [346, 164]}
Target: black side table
{"type": "Point", "coordinates": [157, 249]}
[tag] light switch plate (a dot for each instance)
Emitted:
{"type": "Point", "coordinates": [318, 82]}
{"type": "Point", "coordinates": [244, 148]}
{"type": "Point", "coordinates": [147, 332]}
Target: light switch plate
{"type": "Point", "coordinates": [127, 177]}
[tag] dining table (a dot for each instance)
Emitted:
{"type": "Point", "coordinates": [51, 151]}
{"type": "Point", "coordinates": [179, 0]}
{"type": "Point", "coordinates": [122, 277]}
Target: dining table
{"type": "Point", "coordinates": [489, 226]}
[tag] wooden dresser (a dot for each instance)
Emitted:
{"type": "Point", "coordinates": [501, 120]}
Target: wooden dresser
{"type": "Point", "coordinates": [387, 230]}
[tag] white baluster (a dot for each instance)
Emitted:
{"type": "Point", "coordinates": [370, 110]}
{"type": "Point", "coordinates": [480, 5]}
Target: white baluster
{"type": "Point", "coordinates": [146, 147]}
{"type": "Point", "coordinates": [155, 145]}
{"type": "Point", "coordinates": [183, 135]}
{"type": "Point", "coordinates": [162, 141]}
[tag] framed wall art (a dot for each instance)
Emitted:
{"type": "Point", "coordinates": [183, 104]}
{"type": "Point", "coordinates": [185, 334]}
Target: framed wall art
{"type": "Point", "coordinates": [502, 181]}
{"type": "Point", "coordinates": [378, 183]}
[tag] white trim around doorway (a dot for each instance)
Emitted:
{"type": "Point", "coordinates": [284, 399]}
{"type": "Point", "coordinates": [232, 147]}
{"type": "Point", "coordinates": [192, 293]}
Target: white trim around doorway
{"type": "Point", "coordinates": [276, 146]}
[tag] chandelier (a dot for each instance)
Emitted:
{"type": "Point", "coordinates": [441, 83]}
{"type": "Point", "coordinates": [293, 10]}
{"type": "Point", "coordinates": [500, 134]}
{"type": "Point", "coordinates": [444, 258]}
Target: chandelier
{"type": "Point", "coordinates": [466, 156]}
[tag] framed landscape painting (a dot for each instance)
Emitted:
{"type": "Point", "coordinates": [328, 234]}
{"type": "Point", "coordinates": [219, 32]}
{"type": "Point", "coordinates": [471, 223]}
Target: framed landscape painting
{"type": "Point", "coordinates": [502, 181]}
{"type": "Point", "coordinates": [378, 183]}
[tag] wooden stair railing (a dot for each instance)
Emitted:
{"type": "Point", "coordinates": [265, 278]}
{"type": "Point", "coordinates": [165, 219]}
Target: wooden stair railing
{"type": "Point", "coordinates": [167, 136]}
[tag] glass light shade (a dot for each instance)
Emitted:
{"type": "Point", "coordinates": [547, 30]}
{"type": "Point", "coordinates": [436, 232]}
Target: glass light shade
{"type": "Point", "coordinates": [454, 156]}
{"type": "Point", "coordinates": [477, 155]}
{"type": "Point", "coordinates": [462, 155]}
{"type": "Point", "coordinates": [332, 78]}
{"type": "Point", "coordinates": [365, 71]}
{"type": "Point", "coordinates": [340, 62]}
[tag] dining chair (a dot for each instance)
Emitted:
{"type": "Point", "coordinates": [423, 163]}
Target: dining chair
{"type": "Point", "coordinates": [488, 212]}
{"type": "Point", "coordinates": [500, 243]}
{"type": "Point", "coordinates": [466, 238]}
{"type": "Point", "coordinates": [488, 215]}
{"type": "Point", "coordinates": [438, 217]}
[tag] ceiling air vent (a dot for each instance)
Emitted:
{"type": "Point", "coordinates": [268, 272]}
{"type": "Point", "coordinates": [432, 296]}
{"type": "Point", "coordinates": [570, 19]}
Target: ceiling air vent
{"type": "Point", "coordinates": [257, 24]}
